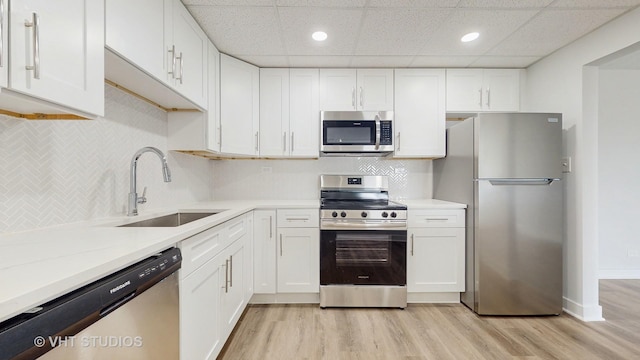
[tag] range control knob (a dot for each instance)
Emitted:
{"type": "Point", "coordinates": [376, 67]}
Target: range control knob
{"type": "Point", "coordinates": [393, 214]}
{"type": "Point", "coordinates": [364, 214]}
{"type": "Point", "coordinates": [334, 214]}
{"type": "Point", "coordinates": [343, 214]}
{"type": "Point", "coordinates": [385, 214]}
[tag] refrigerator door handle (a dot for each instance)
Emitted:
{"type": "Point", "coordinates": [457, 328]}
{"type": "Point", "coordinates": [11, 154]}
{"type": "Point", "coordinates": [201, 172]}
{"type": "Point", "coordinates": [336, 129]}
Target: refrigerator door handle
{"type": "Point", "coordinates": [497, 182]}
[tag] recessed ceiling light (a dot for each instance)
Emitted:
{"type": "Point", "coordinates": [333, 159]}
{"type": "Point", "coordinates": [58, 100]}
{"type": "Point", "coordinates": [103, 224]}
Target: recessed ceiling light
{"type": "Point", "coordinates": [319, 36]}
{"type": "Point", "coordinates": [470, 37]}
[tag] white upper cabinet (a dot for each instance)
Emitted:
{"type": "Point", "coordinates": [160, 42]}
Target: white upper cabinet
{"type": "Point", "coordinates": [289, 114]}
{"type": "Point", "coordinates": [174, 52]}
{"type": "Point", "coordinates": [199, 131]}
{"type": "Point", "coordinates": [472, 90]}
{"type": "Point", "coordinates": [274, 112]}
{"type": "Point", "coordinates": [65, 75]}
{"type": "Point", "coordinates": [188, 57]}
{"type": "Point", "coordinates": [239, 106]}
{"type": "Point", "coordinates": [419, 113]}
{"type": "Point", "coordinates": [361, 89]}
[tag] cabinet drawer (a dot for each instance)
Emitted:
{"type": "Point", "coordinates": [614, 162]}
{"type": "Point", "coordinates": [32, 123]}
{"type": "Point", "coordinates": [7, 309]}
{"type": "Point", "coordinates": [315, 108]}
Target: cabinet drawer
{"type": "Point", "coordinates": [200, 248]}
{"type": "Point", "coordinates": [236, 228]}
{"type": "Point", "coordinates": [298, 218]}
{"type": "Point", "coordinates": [436, 218]}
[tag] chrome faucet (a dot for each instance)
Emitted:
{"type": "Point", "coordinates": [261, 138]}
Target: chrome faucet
{"type": "Point", "coordinates": [134, 200]}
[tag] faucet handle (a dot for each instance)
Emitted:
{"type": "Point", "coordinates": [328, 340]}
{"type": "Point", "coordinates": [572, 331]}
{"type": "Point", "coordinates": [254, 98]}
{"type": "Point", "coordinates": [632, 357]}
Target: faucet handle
{"type": "Point", "coordinates": [143, 199]}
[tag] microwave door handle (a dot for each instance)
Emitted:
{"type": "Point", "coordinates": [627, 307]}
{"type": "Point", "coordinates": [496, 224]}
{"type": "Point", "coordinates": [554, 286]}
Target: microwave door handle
{"type": "Point", "coordinates": [377, 132]}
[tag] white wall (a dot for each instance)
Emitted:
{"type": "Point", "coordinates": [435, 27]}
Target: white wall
{"type": "Point", "coordinates": [619, 173]}
{"type": "Point", "coordinates": [556, 83]}
{"type": "Point", "coordinates": [299, 179]}
{"type": "Point", "coordinates": [56, 172]}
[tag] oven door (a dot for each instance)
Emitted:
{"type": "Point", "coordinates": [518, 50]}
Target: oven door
{"type": "Point", "coordinates": [363, 257]}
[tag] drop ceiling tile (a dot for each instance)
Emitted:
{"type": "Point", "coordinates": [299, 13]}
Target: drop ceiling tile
{"type": "Point", "coordinates": [595, 3]}
{"type": "Point", "coordinates": [241, 30]}
{"type": "Point", "coordinates": [381, 61]}
{"type": "Point", "coordinates": [551, 30]}
{"type": "Point", "coordinates": [266, 61]}
{"type": "Point", "coordinates": [230, 2]}
{"type": "Point", "coordinates": [404, 31]}
{"type": "Point", "coordinates": [322, 3]}
{"type": "Point", "coordinates": [341, 25]}
{"type": "Point", "coordinates": [493, 25]}
{"type": "Point", "coordinates": [443, 61]}
{"type": "Point", "coordinates": [414, 3]}
{"type": "Point", "coordinates": [504, 61]}
{"type": "Point", "coordinates": [319, 61]}
{"type": "Point", "coordinates": [504, 4]}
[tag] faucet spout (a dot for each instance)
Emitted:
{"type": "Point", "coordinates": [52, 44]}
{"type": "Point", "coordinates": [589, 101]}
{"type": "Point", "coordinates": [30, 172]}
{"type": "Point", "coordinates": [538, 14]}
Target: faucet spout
{"type": "Point", "coordinates": [134, 200]}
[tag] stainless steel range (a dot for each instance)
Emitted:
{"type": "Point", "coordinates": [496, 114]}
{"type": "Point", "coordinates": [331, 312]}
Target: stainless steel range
{"type": "Point", "coordinates": [363, 243]}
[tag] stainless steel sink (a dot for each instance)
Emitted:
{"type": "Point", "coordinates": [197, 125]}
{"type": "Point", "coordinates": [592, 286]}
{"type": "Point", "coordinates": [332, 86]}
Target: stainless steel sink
{"type": "Point", "coordinates": [171, 220]}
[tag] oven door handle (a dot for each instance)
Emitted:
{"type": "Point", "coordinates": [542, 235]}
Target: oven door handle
{"type": "Point", "coordinates": [363, 225]}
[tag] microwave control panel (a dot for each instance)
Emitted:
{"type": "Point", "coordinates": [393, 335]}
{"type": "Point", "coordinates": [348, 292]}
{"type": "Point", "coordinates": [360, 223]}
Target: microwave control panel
{"type": "Point", "coordinates": [386, 133]}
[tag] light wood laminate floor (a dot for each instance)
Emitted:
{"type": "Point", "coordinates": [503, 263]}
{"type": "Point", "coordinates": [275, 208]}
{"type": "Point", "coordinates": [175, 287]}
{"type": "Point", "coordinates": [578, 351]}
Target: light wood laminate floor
{"type": "Point", "coordinates": [438, 332]}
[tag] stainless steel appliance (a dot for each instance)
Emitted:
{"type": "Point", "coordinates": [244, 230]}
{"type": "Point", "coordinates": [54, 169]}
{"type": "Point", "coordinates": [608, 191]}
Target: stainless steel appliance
{"type": "Point", "coordinates": [361, 133]}
{"type": "Point", "coordinates": [132, 314]}
{"type": "Point", "coordinates": [507, 168]}
{"type": "Point", "coordinates": [363, 243]}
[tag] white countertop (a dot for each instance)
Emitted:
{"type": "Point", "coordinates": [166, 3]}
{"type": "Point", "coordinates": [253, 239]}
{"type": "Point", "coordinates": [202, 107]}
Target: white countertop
{"type": "Point", "coordinates": [41, 265]}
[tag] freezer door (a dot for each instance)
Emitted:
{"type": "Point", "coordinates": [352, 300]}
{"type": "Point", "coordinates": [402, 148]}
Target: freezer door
{"type": "Point", "coordinates": [518, 145]}
{"type": "Point", "coordinates": [518, 247]}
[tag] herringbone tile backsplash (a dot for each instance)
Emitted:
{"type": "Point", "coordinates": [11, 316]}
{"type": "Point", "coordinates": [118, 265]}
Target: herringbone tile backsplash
{"type": "Point", "coordinates": [299, 179]}
{"type": "Point", "coordinates": [56, 172]}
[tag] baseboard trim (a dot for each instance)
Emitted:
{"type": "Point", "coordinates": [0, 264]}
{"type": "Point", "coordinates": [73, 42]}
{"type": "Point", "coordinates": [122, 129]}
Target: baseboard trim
{"type": "Point", "coordinates": [613, 274]}
{"type": "Point", "coordinates": [288, 298]}
{"type": "Point", "coordinates": [584, 313]}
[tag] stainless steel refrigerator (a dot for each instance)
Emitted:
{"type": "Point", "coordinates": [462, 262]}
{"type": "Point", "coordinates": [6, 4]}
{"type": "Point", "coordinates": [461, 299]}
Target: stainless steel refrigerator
{"type": "Point", "coordinates": [507, 167]}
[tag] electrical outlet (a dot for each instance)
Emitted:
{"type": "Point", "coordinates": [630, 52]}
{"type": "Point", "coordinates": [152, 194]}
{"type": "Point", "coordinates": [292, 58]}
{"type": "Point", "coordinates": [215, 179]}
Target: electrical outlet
{"type": "Point", "coordinates": [266, 169]}
{"type": "Point", "coordinates": [566, 164]}
{"type": "Point", "coordinates": [633, 253]}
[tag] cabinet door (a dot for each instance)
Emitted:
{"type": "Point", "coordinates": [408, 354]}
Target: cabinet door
{"type": "Point", "coordinates": [264, 251]}
{"type": "Point", "coordinates": [200, 312]}
{"type": "Point", "coordinates": [304, 113]}
{"type": "Point", "coordinates": [69, 72]}
{"type": "Point", "coordinates": [213, 94]}
{"type": "Point", "coordinates": [502, 89]}
{"type": "Point", "coordinates": [298, 260]}
{"type": "Point", "coordinates": [4, 42]}
{"type": "Point", "coordinates": [232, 299]}
{"type": "Point", "coordinates": [274, 112]}
{"type": "Point", "coordinates": [464, 90]}
{"type": "Point", "coordinates": [435, 260]}
{"type": "Point", "coordinates": [239, 106]}
{"type": "Point", "coordinates": [375, 89]}
{"type": "Point", "coordinates": [420, 113]}
{"type": "Point", "coordinates": [190, 56]}
{"type": "Point", "coordinates": [132, 23]}
{"type": "Point", "coordinates": [338, 89]}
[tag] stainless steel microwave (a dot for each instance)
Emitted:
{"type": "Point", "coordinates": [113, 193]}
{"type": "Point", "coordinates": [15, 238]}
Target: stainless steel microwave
{"type": "Point", "coordinates": [359, 133]}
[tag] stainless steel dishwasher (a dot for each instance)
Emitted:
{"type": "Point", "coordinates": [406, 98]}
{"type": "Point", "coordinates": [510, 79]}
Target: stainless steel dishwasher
{"type": "Point", "coordinates": [131, 314]}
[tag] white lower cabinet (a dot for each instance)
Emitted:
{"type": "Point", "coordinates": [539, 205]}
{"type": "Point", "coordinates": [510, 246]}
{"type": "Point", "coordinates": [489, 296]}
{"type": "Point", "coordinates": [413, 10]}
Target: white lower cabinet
{"type": "Point", "coordinates": [436, 251]}
{"type": "Point", "coordinates": [200, 311]}
{"type": "Point", "coordinates": [298, 260]}
{"type": "Point", "coordinates": [215, 286]}
{"type": "Point", "coordinates": [264, 251]}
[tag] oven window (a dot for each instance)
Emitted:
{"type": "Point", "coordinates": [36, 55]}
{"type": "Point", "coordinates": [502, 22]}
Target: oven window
{"type": "Point", "coordinates": [355, 250]}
